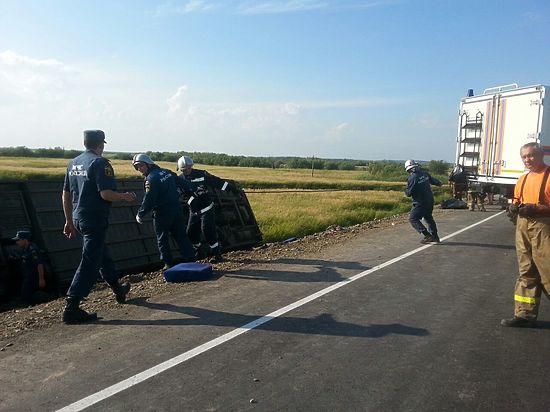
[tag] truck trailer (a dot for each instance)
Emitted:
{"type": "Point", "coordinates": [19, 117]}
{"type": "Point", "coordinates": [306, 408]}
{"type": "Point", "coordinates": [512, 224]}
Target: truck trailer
{"type": "Point", "coordinates": [493, 126]}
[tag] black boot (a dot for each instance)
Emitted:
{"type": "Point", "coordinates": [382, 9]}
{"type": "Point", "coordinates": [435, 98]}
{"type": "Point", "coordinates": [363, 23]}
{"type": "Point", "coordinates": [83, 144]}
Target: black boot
{"type": "Point", "coordinates": [120, 291]}
{"type": "Point", "coordinates": [517, 322]}
{"type": "Point", "coordinates": [217, 255]}
{"type": "Point", "coordinates": [73, 314]}
{"type": "Point", "coordinates": [199, 252]}
{"type": "Point", "coordinates": [427, 237]}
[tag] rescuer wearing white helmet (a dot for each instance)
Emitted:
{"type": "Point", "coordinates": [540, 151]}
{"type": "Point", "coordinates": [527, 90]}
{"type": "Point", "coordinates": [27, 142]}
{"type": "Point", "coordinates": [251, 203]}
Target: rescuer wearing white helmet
{"type": "Point", "coordinates": [419, 188]}
{"type": "Point", "coordinates": [410, 165]}
{"type": "Point", "coordinates": [202, 218]}
{"type": "Point", "coordinates": [162, 198]}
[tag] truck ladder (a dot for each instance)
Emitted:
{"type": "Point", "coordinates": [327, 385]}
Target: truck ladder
{"type": "Point", "coordinates": [470, 143]}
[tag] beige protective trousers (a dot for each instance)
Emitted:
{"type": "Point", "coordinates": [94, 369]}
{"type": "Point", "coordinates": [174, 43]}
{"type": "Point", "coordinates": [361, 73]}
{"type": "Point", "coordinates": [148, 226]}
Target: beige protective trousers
{"type": "Point", "coordinates": [533, 251]}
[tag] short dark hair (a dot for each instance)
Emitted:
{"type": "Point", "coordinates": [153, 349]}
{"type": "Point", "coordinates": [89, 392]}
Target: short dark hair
{"type": "Point", "coordinates": [92, 144]}
{"type": "Point", "coordinates": [533, 145]}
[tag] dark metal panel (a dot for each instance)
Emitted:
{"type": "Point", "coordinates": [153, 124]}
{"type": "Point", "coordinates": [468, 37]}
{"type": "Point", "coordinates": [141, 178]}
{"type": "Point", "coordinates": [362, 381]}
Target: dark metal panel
{"type": "Point", "coordinates": [13, 212]}
{"type": "Point", "coordinates": [133, 246]}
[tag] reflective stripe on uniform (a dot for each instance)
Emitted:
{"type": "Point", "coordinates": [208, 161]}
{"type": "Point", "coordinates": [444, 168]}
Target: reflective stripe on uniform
{"type": "Point", "coordinates": [525, 299]}
{"type": "Point", "coordinates": [198, 179]}
{"type": "Point", "coordinates": [214, 245]}
{"type": "Point", "coordinates": [190, 200]}
{"type": "Point", "coordinates": [225, 185]}
{"type": "Point", "coordinates": [207, 208]}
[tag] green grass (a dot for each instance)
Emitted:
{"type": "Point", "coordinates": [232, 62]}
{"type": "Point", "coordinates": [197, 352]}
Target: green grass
{"type": "Point", "coordinates": [282, 214]}
{"type": "Point", "coordinates": [25, 168]}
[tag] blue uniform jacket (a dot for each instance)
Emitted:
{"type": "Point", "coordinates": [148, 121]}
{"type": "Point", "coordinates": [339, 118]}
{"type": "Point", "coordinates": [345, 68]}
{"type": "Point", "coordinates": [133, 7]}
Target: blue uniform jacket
{"type": "Point", "coordinates": [200, 181]}
{"type": "Point", "coordinates": [161, 193]}
{"type": "Point", "coordinates": [419, 187]}
{"type": "Point", "coordinates": [30, 259]}
{"type": "Point", "coordinates": [86, 176]}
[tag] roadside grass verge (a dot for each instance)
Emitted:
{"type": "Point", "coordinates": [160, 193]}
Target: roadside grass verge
{"type": "Point", "coordinates": [284, 215]}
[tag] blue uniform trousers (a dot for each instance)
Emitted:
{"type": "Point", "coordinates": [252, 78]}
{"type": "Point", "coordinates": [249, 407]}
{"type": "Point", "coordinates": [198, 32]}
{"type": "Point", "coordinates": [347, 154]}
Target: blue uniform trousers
{"type": "Point", "coordinates": [172, 224]}
{"type": "Point", "coordinates": [30, 286]}
{"type": "Point", "coordinates": [96, 258]}
{"type": "Point", "coordinates": [204, 223]}
{"type": "Point", "coordinates": [423, 211]}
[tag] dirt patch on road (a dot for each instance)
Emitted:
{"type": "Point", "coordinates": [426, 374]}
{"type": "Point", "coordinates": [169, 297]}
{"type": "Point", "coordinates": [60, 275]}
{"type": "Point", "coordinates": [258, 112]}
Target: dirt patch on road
{"type": "Point", "coordinates": [16, 321]}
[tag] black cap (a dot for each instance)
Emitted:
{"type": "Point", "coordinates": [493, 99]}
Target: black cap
{"type": "Point", "coordinates": [23, 234]}
{"type": "Point", "coordinates": [94, 136]}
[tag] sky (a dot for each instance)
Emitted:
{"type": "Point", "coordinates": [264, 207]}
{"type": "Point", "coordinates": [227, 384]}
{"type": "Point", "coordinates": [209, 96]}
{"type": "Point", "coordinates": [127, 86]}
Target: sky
{"type": "Point", "coordinates": [355, 79]}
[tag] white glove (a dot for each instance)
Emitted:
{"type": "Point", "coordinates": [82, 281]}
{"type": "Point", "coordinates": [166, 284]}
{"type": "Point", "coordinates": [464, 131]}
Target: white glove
{"type": "Point", "coordinates": [139, 220]}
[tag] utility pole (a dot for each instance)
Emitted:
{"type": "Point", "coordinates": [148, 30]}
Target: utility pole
{"type": "Point", "coordinates": [312, 165]}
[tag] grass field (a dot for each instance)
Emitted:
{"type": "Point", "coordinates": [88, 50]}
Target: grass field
{"type": "Point", "coordinates": [280, 214]}
{"type": "Point", "coordinates": [25, 168]}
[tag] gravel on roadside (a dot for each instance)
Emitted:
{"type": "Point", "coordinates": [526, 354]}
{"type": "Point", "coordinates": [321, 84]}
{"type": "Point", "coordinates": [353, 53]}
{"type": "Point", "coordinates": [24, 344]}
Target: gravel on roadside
{"type": "Point", "coordinates": [16, 321]}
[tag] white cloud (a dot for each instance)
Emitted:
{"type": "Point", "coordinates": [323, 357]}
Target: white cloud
{"type": "Point", "coordinates": [196, 6]}
{"type": "Point", "coordinates": [179, 102]}
{"type": "Point", "coordinates": [426, 121]}
{"type": "Point", "coordinates": [533, 18]}
{"type": "Point", "coordinates": [254, 7]}
{"type": "Point", "coordinates": [292, 108]}
{"type": "Point", "coordinates": [354, 103]}
{"type": "Point", "coordinates": [31, 79]}
{"type": "Point", "coordinates": [47, 102]}
{"type": "Point", "coordinates": [258, 127]}
{"type": "Point", "coordinates": [192, 6]}
{"type": "Point", "coordinates": [10, 58]}
{"type": "Point", "coordinates": [277, 7]}
{"type": "Point", "coordinates": [337, 133]}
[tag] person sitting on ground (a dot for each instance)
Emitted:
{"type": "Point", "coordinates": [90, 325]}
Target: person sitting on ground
{"type": "Point", "coordinates": [32, 268]}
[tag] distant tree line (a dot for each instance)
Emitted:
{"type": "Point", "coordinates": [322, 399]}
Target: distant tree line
{"type": "Point", "coordinates": [22, 151]}
{"type": "Point", "coordinates": [221, 159]}
{"type": "Point", "coordinates": [381, 170]}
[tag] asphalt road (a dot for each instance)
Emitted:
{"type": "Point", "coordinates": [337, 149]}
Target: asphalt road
{"type": "Point", "coordinates": [404, 328]}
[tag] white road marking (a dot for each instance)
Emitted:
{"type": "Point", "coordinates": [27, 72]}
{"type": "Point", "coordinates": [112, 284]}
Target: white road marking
{"type": "Point", "coordinates": [170, 363]}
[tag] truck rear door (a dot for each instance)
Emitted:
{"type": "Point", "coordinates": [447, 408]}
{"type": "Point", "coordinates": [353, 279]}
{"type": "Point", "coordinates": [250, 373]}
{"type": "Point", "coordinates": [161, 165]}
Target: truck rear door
{"type": "Point", "coordinates": [517, 120]}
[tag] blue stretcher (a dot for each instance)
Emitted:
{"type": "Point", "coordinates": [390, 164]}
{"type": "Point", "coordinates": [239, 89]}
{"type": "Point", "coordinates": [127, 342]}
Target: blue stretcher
{"type": "Point", "coordinates": [184, 272]}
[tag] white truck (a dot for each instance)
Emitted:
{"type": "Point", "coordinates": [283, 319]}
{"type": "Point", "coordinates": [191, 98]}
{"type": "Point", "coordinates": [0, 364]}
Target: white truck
{"type": "Point", "coordinates": [493, 126]}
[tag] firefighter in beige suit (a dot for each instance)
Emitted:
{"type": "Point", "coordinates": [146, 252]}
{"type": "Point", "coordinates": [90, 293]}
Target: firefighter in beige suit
{"type": "Point", "coordinates": [532, 207]}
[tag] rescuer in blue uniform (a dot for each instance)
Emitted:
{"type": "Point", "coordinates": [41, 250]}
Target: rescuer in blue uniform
{"type": "Point", "coordinates": [88, 191]}
{"type": "Point", "coordinates": [32, 267]}
{"type": "Point", "coordinates": [162, 198]}
{"type": "Point", "coordinates": [419, 188]}
{"type": "Point", "coordinates": [201, 206]}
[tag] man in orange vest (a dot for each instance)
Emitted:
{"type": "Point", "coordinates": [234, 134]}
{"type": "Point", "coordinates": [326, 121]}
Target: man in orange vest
{"type": "Point", "coordinates": [532, 207]}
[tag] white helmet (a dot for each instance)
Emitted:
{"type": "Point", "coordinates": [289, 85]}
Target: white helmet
{"type": "Point", "coordinates": [183, 162]}
{"type": "Point", "coordinates": [142, 158]}
{"type": "Point", "coordinates": [410, 165]}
